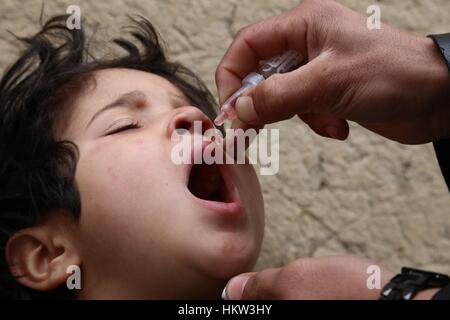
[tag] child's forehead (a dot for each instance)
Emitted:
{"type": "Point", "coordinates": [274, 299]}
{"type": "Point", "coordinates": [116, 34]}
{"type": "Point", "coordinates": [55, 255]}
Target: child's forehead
{"type": "Point", "coordinates": [115, 81]}
{"type": "Point", "coordinates": [110, 85]}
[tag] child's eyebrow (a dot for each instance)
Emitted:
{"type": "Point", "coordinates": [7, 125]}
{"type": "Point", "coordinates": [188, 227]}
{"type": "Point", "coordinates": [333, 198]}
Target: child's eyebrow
{"type": "Point", "coordinates": [128, 98]}
{"type": "Point", "coordinates": [123, 101]}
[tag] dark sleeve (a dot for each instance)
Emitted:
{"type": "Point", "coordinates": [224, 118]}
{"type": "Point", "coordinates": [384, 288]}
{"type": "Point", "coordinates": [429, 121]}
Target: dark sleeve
{"type": "Point", "coordinates": [442, 149]}
{"type": "Point", "coordinates": [443, 43]}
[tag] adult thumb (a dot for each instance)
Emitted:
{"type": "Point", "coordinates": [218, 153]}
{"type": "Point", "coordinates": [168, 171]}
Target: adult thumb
{"type": "Point", "coordinates": [235, 287]}
{"type": "Point", "coordinates": [253, 286]}
{"type": "Point", "coordinates": [282, 96]}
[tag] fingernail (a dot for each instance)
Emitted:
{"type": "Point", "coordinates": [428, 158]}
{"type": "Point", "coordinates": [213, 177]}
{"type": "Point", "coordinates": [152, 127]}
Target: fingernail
{"type": "Point", "coordinates": [225, 294]}
{"type": "Point", "coordinates": [332, 132]}
{"type": "Point", "coordinates": [245, 110]}
{"type": "Point", "coordinates": [235, 288]}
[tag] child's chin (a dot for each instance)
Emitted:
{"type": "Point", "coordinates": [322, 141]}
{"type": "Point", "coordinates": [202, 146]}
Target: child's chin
{"type": "Point", "coordinates": [231, 264]}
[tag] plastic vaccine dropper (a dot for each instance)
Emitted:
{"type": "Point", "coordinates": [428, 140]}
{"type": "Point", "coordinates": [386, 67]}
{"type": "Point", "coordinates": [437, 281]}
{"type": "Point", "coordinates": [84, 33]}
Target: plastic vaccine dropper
{"type": "Point", "coordinates": [283, 63]}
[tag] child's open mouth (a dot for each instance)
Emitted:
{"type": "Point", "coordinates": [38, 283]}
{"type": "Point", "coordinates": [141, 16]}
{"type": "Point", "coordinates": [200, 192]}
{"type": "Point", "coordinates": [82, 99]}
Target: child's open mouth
{"type": "Point", "coordinates": [213, 186]}
{"type": "Point", "coordinates": [206, 182]}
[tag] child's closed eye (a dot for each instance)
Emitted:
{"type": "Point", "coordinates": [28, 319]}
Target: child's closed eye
{"type": "Point", "coordinates": [124, 126]}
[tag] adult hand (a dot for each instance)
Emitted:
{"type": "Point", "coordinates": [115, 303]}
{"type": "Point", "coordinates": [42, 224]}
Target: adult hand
{"type": "Point", "coordinates": [391, 82]}
{"type": "Point", "coordinates": [322, 278]}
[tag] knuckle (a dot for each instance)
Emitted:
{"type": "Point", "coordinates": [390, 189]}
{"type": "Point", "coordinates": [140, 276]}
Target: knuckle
{"type": "Point", "coordinates": [322, 10]}
{"type": "Point", "coordinates": [297, 270]}
{"type": "Point", "coordinates": [218, 73]}
{"type": "Point", "coordinates": [334, 83]}
{"type": "Point", "coordinates": [324, 4]}
{"type": "Point", "coordinates": [242, 32]}
{"type": "Point", "coordinates": [315, 4]}
{"type": "Point", "coordinates": [269, 97]}
{"type": "Point", "coordinates": [326, 74]}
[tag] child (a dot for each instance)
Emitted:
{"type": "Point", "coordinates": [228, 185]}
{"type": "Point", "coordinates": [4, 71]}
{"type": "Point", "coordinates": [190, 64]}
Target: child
{"type": "Point", "coordinates": [86, 177]}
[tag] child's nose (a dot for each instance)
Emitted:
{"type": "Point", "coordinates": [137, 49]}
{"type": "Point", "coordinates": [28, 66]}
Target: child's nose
{"type": "Point", "coordinates": [184, 121]}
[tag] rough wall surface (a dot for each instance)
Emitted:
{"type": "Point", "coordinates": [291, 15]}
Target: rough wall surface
{"type": "Point", "coordinates": [367, 196]}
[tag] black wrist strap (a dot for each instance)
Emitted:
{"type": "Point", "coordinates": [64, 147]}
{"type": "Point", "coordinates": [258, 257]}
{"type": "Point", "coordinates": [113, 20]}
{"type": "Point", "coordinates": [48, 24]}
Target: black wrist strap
{"type": "Point", "coordinates": [443, 42]}
{"type": "Point", "coordinates": [409, 282]}
{"type": "Point", "coordinates": [443, 294]}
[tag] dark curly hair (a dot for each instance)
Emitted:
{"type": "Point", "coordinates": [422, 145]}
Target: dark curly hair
{"type": "Point", "coordinates": [36, 170]}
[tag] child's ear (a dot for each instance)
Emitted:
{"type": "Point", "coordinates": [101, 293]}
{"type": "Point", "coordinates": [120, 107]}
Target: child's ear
{"type": "Point", "coordinates": [39, 256]}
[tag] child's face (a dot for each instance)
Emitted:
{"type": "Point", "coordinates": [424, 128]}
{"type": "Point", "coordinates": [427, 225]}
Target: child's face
{"type": "Point", "coordinates": [142, 233]}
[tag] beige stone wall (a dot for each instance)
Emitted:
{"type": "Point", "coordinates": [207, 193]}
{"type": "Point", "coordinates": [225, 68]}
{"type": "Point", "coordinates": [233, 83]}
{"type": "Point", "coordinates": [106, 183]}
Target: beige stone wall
{"type": "Point", "coordinates": [367, 196]}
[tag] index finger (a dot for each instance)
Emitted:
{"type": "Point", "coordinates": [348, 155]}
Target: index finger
{"type": "Point", "coordinates": [254, 43]}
